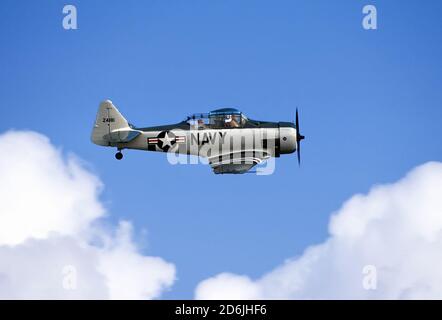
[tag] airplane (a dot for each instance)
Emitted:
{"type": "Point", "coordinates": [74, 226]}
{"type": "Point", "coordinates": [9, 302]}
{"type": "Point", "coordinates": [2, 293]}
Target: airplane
{"type": "Point", "coordinates": [231, 142]}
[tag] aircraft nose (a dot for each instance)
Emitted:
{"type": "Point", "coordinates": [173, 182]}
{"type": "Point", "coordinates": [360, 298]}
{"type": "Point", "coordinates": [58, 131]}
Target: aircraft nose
{"type": "Point", "coordinates": [287, 137]}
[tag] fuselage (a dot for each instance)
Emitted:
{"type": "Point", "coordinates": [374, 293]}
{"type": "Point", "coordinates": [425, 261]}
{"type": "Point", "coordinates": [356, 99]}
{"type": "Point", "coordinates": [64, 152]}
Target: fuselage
{"type": "Point", "coordinates": [273, 138]}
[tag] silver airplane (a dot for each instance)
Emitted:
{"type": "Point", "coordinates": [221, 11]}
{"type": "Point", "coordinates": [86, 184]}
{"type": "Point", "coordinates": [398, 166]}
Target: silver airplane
{"type": "Point", "coordinates": [231, 142]}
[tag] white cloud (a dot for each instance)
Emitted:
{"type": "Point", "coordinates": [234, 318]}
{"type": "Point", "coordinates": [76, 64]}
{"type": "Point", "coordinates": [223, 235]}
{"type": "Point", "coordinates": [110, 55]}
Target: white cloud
{"type": "Point", "coordinates": [50, 221]}
{"type": "Point", "coordinates": [397, 228]}
{"type": "Point", "coordinates": [132, 275]}
{"type": "Point", "coordinates": [228, 286]}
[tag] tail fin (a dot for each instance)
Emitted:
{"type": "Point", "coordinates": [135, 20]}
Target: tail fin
{"type": "Point", "coordinates": [110, 126]}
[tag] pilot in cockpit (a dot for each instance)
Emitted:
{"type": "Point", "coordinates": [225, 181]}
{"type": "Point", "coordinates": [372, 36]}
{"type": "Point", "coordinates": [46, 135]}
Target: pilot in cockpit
{"type": "Point", "coordinates": [230, 122]}
{"type": "Point", "coordinates": [201, 124]}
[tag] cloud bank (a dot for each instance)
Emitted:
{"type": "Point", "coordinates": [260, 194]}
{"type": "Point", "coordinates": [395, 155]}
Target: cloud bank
{"type": "Point", "coordinates": [52, 244]}
{"type": "Point", "coordinates": [395, 228]}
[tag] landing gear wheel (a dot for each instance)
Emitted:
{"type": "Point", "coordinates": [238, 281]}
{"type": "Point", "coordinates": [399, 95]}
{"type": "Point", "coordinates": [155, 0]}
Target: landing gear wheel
{"type": "Point", "coordinates": [119, 155]}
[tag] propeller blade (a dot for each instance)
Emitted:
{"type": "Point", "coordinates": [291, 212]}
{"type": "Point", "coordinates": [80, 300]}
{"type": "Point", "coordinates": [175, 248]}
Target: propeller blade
{"type": "Point", "coordinates": [299, 137]}
{"type": "Point", "coordinates": [299, 153]}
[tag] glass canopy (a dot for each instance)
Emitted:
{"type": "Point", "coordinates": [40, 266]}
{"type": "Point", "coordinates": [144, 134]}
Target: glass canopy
{"type": "Point", "coordinates": [221, 118]}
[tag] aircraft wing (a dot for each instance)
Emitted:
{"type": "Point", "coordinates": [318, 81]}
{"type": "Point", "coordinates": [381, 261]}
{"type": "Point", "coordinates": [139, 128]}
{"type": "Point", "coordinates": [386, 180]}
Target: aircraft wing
{"type": "Point", "coordinates": [237, 162]}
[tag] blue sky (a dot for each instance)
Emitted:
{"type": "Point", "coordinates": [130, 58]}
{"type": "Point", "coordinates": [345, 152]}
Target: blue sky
{"type": "Point", "coordinates": [370, 105]}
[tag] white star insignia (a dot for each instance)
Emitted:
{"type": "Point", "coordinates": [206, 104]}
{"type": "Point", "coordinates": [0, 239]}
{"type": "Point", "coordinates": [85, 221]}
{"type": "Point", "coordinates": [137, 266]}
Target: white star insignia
{"type": "Point", "coordinates": [166, 140]}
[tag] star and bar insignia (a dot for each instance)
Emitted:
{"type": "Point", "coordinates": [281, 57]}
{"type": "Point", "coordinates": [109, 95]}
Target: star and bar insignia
{"type": "Point", "coordinates": [166, 140]}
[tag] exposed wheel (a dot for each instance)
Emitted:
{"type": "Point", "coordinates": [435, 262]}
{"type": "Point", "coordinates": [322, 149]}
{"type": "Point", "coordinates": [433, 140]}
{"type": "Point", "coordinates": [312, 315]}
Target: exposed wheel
{"type": "Point", "coordinates": [119, 155]}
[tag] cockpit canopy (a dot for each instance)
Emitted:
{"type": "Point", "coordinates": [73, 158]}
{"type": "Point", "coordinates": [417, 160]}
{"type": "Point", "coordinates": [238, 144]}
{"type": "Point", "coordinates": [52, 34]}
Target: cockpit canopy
{"type": "Point", "coordinates": [217, 119]}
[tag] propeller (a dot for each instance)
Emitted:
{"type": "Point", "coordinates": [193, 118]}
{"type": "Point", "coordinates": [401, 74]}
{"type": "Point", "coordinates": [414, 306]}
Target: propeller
{"type": "Point", "coordinates": [299, 137]}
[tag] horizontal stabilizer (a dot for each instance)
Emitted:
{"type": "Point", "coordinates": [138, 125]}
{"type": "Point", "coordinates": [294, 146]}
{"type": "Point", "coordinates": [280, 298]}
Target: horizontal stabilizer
{"type": "Point", "coordinates": [121, 136]}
